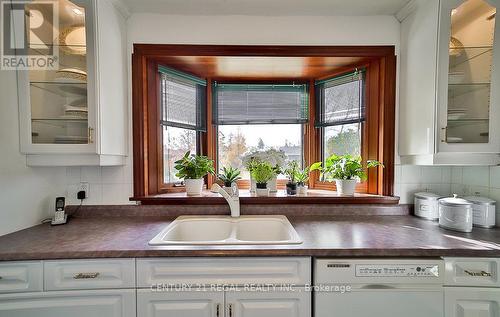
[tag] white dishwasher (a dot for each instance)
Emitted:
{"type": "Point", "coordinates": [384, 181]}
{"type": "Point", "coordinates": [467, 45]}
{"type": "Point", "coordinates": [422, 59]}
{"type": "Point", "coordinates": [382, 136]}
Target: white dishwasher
{"type": "Point", "coordinates": [378, 288]}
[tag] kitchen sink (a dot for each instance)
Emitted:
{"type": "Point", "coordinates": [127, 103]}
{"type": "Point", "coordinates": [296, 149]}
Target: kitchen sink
{"type": "Point", "coordinates": [225, 230]}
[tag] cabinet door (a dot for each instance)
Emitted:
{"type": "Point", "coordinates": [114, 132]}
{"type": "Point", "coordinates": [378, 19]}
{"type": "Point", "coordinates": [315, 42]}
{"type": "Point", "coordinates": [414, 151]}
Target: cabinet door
{"type": "Point", "coordinates": [268, 303]}
{"type": "Point", "coordinates": [102, 303]}
{"type": "Point", "coordinates": [472, 302]}
{"type": "Point", "coordinates": [173, 303]}
{"type": "Point", "coordinates": [58, 104]}
{"type": "Point", "coordinates": [468, 80]}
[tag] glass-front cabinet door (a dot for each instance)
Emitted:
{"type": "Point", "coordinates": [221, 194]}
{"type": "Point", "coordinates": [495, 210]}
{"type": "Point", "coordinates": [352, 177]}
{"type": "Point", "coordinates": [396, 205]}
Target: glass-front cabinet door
{"type": "Point", "coordinates": [57, 104]}
{"type": "Point", "coordinates": [468, 76]}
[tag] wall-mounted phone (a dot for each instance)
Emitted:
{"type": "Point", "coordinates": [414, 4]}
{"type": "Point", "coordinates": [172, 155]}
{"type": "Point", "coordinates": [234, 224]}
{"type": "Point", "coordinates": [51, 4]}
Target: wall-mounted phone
{"type": "Point", "coordinates": [60, 216]}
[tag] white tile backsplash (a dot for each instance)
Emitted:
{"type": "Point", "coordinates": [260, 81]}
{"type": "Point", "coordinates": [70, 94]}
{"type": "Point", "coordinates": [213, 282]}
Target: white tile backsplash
{"type": "Point", "coordinates": [447, 180]}
{"type": "Point", "coordinates": [476, 176]}
{"type": "Point", "coordinates": [108, 185]}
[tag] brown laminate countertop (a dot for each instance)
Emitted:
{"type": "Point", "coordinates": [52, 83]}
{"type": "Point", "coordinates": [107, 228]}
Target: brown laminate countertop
{"type": "Point", "coordinates": [323, 236]}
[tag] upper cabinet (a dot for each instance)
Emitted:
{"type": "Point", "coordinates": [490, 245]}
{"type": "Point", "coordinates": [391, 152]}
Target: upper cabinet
{"type": "Point", "coordinates": [450, 83]}
{"type": "Point", "coordinates": [76, 114]}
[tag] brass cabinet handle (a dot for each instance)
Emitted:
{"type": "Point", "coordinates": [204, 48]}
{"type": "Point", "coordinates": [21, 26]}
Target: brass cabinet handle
{"type": "Point", "coordinates": [481, 274]}
{"type": "Point", "coordinates": [91, 135]}
{"type": "Point", "coordinates": [217, 309]}
{"type": "Point", "coordinates": [80, 276]}
{"type": "Point", "coordinates": [230, 310]}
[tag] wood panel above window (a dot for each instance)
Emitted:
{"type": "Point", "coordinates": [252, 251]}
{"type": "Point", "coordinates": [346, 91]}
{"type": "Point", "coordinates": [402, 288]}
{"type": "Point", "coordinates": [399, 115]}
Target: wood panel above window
{"type": "Point", "coordinates": [301, 68]}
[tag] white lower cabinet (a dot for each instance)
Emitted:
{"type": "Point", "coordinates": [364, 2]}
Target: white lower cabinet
{"type": "Point", "coordinates": [97, 303]}
{"type": "Point", "coordinates": [179, 303]}
{"type": "Point", "coordinates": [472, 302]}
{"type": "Point", "coordinates": [264, 303]}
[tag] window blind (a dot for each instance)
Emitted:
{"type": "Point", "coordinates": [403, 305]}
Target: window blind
{"type": "Point", "coordinates": [183, 100]}
{"type": "Point", "coordinates": [260, 104]}
{"type": "Point", "coordinates": [340, 100]}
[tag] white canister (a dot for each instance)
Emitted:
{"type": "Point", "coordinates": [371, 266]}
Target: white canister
{"type": "Point", "coordinates": [455, 214]}
{"type": "Point", "coordinates": [427, 206]}
{"type": "Point", "coordinates": [483, 211]}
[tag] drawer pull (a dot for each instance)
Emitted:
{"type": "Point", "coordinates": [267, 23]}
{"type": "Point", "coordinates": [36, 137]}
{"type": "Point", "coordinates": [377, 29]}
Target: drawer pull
{"type": "Point", "coordinates": [217, 308]}
{"type": "Point", "coordinates": [482, 273]}
{"type": "Point", "coordinates": [230, 310]}
{"type": "Point", "coordinates": [80, 276]}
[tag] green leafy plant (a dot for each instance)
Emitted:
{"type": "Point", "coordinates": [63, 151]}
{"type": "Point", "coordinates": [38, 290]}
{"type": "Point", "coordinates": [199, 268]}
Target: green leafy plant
{"type": "Point", "coordinates": [345, 167]}
{"type": "Point", "coordinates": [262, 172]}
{"type": "Point", "coordinates": [302, 175]}
{"type": "Point", "coordinates": [291, 171]}
{"type": "Point", "coordinates": [192, 166]}
{"type": "Point", "coordinates": [229, 175]}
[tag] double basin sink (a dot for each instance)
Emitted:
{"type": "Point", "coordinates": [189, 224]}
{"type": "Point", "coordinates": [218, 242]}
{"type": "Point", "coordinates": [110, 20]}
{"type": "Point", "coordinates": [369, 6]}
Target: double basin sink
{"type": "Point", "coordinates": [225, 230]}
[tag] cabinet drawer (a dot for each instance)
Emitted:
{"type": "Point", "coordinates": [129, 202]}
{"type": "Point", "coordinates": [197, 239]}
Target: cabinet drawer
{"type": "Point", "coordinates": [21, 277]}
{"type": "Point", "coordinates": [89, 274]}
{"type": "Point", "coordinates": [472, 271]}
{"type": "Point", "coordinates": [237, 271]}
{"type": "Point", "coordinates": [472, 301]}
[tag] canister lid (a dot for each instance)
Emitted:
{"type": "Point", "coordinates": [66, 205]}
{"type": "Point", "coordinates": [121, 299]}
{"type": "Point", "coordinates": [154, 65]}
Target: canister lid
{"type": "Point", "coordinates": [455, 201]}
{"type": "Point", "coordinates": [480, 200]}
{"type": "Point", "coordinates": [427, 195]}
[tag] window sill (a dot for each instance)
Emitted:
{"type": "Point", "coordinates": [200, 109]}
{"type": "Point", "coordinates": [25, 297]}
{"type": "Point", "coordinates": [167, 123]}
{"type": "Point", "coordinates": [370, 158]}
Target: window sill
{"type": "Point", "coordinates": [246, 198]}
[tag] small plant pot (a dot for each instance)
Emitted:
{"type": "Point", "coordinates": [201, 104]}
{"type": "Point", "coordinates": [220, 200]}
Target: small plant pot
{"type": "Point", "coordinates": [253, 185]}
{"type": "Point", "coordinates": [194, 186]}
{"type": "Point", "coordinates": [228, 189]}
{"type": "Point", "coordinates": [291, 189]}
{"type": "Point", "coordinates": [301, 189]}
{"type": "Point", "coordinates": [346, 187]}
{"type": "Point", "coordinates": [272, 185]}
{"type": "Point", "coordinates": [261, 190]}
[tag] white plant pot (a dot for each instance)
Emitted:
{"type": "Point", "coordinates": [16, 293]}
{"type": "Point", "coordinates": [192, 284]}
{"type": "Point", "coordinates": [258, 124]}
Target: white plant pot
{"type": "Point", "coordinates": [272, 185]}
{"type": "Point", "coordinates": [193, 186]}
{"type": "Point", "coordinates": [262, 192]}
{"type": "Point", "coordinates": [228, 190]}
{"type": "Point", "coordinates": [302, 190]}
{"type": "Point", "coordinates": [253, 185]}
{"type": "Point", "coordinates": [346, 187]}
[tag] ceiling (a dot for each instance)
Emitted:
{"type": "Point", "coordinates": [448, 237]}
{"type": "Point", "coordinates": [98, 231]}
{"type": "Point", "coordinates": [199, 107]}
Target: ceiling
{"type": "Point", "coordinates": [267, 7]}
{"type": "Point", "coordinates": [260, 67]}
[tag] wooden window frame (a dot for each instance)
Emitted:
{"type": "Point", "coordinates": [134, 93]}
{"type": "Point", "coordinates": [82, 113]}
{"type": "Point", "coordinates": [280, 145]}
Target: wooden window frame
{"type": "Point", "coordinates": [380, 125]}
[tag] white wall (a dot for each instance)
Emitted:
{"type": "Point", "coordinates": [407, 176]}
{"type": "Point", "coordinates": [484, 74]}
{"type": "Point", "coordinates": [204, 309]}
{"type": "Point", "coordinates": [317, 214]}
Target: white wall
{"type": "Point", "coordinates": [27, 195]}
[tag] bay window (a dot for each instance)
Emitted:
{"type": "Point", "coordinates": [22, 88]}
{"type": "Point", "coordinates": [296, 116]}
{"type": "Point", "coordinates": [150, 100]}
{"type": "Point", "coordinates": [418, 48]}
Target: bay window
{"type": "Point", "coordinates": [185, 98]}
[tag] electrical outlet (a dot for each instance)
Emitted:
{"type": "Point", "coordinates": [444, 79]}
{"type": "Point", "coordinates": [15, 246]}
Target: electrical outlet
{"type": "Point", "coordinates": [84, 186]}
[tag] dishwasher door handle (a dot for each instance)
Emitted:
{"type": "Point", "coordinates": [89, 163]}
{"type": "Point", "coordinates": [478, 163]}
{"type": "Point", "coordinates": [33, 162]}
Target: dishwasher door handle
{"type": "Point", "coordinates": [377, 286]}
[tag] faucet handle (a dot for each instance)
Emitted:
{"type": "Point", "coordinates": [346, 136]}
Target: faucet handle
{"type": "Point", "coordinates": [235, 190]}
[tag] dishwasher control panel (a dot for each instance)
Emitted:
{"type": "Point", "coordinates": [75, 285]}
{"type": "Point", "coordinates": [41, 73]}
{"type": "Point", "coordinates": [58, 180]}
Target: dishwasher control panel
{"type": "Point", "coordinates": [399, 270]}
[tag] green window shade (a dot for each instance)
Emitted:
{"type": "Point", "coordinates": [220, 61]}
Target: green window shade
{"type": "Point", "coordinates": [183, 100]}
{"type": "Point", "coordinates": [260, 104]}
{"type": "Point", "coordinates": [340, 100]}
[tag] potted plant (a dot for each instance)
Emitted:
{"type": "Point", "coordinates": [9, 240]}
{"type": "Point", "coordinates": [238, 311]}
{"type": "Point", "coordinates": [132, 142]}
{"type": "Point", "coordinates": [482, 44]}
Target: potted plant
{"type": "Point", "coordinates": [272, 156]}
{"type": "Point", "coordinates": [192, 168]}
{"type": "Point", "coordinates": [262, 172]}
{"type": "Point", "coordinates": [346, 171]}
{"type": "Point", "coordinates": [291, 173]}
{"type": "Point", "coordinates": [302, 177]}
{"type": "Point", "coordinates": [228, 176]}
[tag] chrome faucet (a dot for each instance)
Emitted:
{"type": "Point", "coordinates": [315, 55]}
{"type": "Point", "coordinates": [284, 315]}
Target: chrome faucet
{"type": "Point", "coordinates": [232, 198]}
